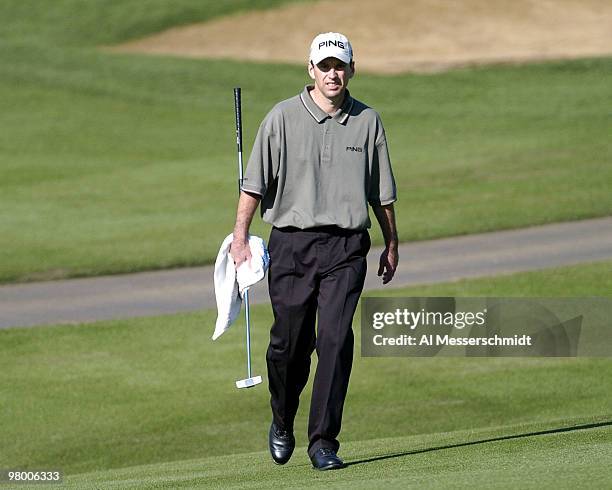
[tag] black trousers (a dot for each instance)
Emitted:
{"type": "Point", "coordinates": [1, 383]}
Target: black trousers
{"type": "Point", "coordinates": [314, 271]}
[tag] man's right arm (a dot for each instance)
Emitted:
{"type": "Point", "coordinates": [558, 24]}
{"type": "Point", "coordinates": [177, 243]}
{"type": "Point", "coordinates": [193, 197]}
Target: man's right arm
{"type": "Point", "coordinates": [247, 205]}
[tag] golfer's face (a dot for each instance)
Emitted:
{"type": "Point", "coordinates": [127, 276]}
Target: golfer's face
{"type": "Point", "coordinates": [331, 76]}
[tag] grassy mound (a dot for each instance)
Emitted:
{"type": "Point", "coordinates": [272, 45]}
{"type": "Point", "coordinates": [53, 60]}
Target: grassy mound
{"type": "Point", "coordinates": [75, 23]}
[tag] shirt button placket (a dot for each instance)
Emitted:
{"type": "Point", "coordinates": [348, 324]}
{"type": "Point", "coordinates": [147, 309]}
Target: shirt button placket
{"type": "Point", "coordinates": [326, 141]}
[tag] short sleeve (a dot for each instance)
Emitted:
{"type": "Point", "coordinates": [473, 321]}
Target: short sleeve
{"type": "Point", "coordinates": [263, 163]}
{"type": "Point", "coordinates": [382, 190]}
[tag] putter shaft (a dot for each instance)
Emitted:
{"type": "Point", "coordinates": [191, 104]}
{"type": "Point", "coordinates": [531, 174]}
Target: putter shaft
{"type": "Point", "coordinates": [250, 381]}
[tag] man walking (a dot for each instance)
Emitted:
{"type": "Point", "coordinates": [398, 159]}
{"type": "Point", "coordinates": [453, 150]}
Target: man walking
{"type": "Point", "coordinates": [318, 160]}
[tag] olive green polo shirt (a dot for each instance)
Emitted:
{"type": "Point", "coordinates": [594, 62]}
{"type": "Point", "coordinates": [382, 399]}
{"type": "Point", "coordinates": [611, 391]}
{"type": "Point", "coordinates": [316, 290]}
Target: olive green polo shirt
{"type": "Point", "coordinates": [315, 169]}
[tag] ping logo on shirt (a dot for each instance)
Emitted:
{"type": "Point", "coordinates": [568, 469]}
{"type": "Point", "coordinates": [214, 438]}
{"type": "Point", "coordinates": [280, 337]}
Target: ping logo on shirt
{"type": "Point", "coordinates": [329, 43]}
{"type": "Point", "coordinates": [354, 148]}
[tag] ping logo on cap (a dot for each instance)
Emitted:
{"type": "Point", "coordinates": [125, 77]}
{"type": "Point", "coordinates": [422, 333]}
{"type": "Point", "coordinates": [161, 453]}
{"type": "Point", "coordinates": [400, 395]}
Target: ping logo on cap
{"type": "Point", "coordinates": [330, 43]}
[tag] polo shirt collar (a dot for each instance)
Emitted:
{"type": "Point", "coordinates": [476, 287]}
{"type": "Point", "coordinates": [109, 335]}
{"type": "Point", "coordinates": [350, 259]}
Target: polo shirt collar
{"type": "Point", "coordinates": [341, 115]}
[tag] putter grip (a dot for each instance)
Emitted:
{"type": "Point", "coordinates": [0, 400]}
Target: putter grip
{"type": "Point", "coordinates": [238, 108]}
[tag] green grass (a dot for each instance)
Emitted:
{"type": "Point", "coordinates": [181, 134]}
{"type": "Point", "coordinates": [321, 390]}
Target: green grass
{"type": "Point", "coordinates": [95, 22]}
{"type": "Point", "coordinates": [157, 391]}
{"type": "Point", "coordinates": [459, 459]}
{"type": "Point", "coordinates": [118, 163]}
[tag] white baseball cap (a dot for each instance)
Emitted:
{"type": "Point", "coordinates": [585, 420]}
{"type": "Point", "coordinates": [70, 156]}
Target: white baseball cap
{"type": "Point", "coordinates": [331, 44]}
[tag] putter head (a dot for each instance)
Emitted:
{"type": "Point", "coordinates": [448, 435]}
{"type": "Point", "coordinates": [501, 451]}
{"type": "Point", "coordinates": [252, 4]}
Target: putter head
{"type": "Point", "coordinates": [248, 382]}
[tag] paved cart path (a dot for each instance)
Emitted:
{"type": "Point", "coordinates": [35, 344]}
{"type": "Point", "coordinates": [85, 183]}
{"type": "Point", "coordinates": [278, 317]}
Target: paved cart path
{"type": "Point", "coordinates": [426, 262]}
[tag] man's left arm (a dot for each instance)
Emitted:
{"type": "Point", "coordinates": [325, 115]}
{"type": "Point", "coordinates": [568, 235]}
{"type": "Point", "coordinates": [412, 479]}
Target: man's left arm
{"type": "Point", "coordinates": [385, 214]}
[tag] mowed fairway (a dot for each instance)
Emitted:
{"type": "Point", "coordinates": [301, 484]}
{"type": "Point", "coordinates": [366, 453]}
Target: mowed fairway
{"type": "Point", "coordinates": [116, 163]}
{"type": "Point", "coordinates": [110, 396]}
{"type": "Point", "coordinates": [503, 457]}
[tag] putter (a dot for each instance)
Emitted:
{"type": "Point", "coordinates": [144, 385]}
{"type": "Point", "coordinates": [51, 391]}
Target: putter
{"type": "Point", "coordinates": [250, 380]}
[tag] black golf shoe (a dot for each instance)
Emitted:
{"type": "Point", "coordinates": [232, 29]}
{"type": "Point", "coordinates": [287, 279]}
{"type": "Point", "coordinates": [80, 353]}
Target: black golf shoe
{"type": "Point", "coordinates": [326, 459]}
{"type": "Point", "coordinates": [282, 444]}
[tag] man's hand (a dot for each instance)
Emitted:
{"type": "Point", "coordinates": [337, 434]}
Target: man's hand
{"type": "Point", "coordinates": [389, 258]}
{"type": "Point", "coordinates": [240, 252]}
{"type": "Point", "coordinates": [239, 249]}
{"type": "Point", "coordinates": [388, 264]}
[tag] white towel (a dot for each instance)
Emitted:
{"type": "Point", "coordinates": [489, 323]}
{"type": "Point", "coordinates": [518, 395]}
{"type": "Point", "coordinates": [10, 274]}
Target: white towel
{"type": "Point", "coordinates": [231, 285]}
